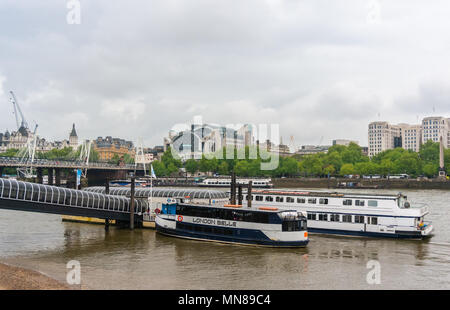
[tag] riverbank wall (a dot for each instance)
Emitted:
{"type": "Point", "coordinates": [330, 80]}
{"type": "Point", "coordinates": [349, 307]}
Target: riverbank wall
{"type": "Point", "coordinates": [360, 183]}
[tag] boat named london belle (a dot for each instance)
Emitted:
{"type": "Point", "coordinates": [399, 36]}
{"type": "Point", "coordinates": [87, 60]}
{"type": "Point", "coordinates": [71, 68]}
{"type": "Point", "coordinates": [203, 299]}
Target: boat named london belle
{"type": "Point", "coordinates": [372, 215]}
{"type": "Point", "coordinates": [263, 226]}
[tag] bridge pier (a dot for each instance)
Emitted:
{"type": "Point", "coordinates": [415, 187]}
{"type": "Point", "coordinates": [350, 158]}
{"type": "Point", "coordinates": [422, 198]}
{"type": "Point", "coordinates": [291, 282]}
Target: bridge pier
{"type": "Point", "coordinates": [58, 177]}
{"type": "Point", "coordinates": [39, 180]}
{"type": "Point", "coordinates": [50, 176]}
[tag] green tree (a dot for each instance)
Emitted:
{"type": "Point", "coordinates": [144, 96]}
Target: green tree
{"type": "Point", "coordinates": [347, 169]}
{"type": "Point", "coordinates": [430, 169]}
{"type": "Point", "coordinates": [223, 168]}
{"type": "Point", "coordinates": [159, 168]}
{"type": "Point", "coordinates": [172, 169]}
{"type": "Point", "coordinates": [191, 166]}
{"type": "Point", "coordinates": [241, 168]}
{"type": "Point", "coordinates": [329, 170]}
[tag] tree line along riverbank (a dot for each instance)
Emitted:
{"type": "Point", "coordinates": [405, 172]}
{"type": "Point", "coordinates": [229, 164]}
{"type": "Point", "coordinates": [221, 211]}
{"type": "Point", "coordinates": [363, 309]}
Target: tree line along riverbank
{"type": "Point", "coordinates": [337, 183]}
{"type": "Point", "coordinates": [339, 161]}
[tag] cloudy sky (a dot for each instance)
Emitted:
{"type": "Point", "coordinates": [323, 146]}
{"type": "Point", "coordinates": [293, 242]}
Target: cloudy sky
{"type": "Point", "coordinates": [136, 68]}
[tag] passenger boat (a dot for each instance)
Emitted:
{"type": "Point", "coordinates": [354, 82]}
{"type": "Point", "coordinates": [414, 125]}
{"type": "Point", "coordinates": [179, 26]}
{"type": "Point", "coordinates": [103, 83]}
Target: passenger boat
{"type": "Point", "coordinates": [371, 215]}
{"type": "Point", "coordinates": [139, 183]}
{"type": "Point", "coordinates": [226, 182]}
{"type": "Point", "coordinates": [263, 226]}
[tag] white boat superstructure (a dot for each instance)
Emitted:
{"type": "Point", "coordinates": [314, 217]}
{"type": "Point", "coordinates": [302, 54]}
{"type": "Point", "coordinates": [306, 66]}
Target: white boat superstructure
{"type": "Point", "coordinates": [375, 215]}
{"type": "Point", "coordinates": [226, 182]}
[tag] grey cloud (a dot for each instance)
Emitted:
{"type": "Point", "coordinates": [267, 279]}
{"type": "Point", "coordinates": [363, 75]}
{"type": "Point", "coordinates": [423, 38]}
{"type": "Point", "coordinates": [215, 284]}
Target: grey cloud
{"type": "Point", "coordinates": [135, 69]}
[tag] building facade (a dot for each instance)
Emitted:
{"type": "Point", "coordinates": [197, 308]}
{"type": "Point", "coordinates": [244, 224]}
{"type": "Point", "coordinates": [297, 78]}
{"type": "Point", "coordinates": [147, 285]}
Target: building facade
{"type": "Point", "coordinates": [21, 138]}
{"type": "Point", "coordinates": [108, 147]}
{"type": "Point", "coordinates": [344, 142]}
{"type": "Point", "coordinates": [206, 139]}
{"type": "Point", "coordinates": [384, 136]}
{"type": "Point", "coordinates": [73, 138]}
{"type": "Point", "coordinates": [434, 127]}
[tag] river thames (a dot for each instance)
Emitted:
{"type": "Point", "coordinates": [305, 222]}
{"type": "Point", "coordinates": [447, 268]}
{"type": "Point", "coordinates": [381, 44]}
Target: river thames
{"type": "Point", "coordinates": [142, 259]}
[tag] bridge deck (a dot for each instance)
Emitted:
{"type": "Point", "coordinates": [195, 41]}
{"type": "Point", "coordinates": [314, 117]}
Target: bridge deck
{"type": "Point", "coordinates": [26, 196]}
{"type": "Point", "coordinates": [49, 163]}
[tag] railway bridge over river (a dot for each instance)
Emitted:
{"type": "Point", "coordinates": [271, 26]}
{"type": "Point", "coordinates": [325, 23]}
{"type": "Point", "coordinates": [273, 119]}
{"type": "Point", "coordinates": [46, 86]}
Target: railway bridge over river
{"type": "Point", "coordinates": [97, 172]}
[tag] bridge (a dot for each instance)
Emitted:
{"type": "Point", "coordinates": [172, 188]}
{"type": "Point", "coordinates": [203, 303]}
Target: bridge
{"type": "Point", "coordinates": [99, 170]}
{"type": "Point", "coordinates": [32, 197]}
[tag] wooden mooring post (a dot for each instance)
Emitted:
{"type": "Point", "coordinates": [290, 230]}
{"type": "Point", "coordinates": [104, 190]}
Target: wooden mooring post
{"type": "Point", "coordinates": [249, 194]}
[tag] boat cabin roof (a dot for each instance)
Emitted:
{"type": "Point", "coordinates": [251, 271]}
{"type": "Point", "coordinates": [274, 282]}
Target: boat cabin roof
{"type": "Point", "coordinates": [325, 194]}
{"type": "Point", "coordinates": [238, 207]}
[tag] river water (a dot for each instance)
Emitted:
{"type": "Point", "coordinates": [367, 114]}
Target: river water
{"type": "Point", "coordinates": [142, 259]}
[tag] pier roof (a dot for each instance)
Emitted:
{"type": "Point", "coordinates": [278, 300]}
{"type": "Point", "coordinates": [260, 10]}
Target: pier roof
{"type": "Point", "coordinates": [193, 193]}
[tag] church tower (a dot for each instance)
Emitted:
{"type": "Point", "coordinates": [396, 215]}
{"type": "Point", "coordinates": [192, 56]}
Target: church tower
{"type": "Point", "coordinates": [73, 138]}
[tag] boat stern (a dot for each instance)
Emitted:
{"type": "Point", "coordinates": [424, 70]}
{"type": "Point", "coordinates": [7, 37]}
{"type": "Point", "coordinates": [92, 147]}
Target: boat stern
{"type": "Point", "coordinates": [427, 230]}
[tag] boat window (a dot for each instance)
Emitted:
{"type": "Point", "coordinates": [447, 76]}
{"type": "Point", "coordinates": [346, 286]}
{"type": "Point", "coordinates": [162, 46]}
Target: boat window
{"type": "Point", "coordinates": [347, 218]}
{"type": "Point", "coordinates": [347, 202]}
{"type": "Point", "coordinates": [323, 217]}
{"type": "Point", "coordinates": [312, 200]}
{"type": "Point", "coordinates": [301, 200]}
{"type": "Point", "coordinates": [323, 201]}
{"type": "Point", "coordinates": [290, 199]}
{"type": "Point", "coordinates": [334, 217]}
{"type": "Point", "coordinates": [312, 216]}
{"type": "Point", "coordinates": [259, 198]}
{"type": "Point", "coordinates": [373, 220]}
{"type": "Point", "coordinates": [269, 198]}
{"type": "Point", "coordinates": [372, 203]}
{"type": "Point", "coordinates": [359, 203]}
{"type": "Point", "coordinates": [359, 219]}
{"type": "Point", "coordinates": [279, 199]}
{"type": "Point", "coordinates": [293, 225]}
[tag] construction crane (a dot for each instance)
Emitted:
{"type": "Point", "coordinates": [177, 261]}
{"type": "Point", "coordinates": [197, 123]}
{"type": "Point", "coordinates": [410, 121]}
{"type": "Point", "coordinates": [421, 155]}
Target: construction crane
{"type": "Point", "coordinates": [17, 107]}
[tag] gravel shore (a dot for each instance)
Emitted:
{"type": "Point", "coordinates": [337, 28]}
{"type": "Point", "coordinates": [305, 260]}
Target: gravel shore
{"type": "Point", "coordinates": [16, 278]}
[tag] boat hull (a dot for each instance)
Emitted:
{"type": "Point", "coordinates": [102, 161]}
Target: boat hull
{"type": "Point", "coordinates": [395, 235]}
{"type": "Point", "coordinates": [261, 241]}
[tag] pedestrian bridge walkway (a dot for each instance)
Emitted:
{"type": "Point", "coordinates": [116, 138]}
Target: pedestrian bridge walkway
{"type": "Point", "coordinates": [31, 197]}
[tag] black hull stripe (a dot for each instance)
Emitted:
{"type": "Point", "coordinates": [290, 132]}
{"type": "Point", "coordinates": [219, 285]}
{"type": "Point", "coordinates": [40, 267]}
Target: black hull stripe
{"type": "Point", "coordinates": [225, 239]}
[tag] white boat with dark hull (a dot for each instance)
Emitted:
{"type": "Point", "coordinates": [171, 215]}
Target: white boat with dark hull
{"type": "Point", "coordinates": [370, 215]}
{"type": "Point", "coordinates": [262, 226]}
{"type": "Point", "coordinates": [226, 182]}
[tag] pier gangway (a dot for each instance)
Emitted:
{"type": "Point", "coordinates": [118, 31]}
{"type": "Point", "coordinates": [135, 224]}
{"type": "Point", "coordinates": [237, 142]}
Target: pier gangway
{"type": "Point", "coordinates": [32, 197]}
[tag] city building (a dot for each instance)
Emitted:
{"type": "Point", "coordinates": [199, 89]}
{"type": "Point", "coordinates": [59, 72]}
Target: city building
{"type": "Point", "coordinates": [434, 127]}
{"type": "Point", "coordinates": [344, 142]}
{"type": "Point", "coordinates": [205, 139]}
{"type": "Point", "coordinates": [384, 136]}
{"type": "Point", "coordinates": [108, 147]}
{"type": "Point", "coordinates": [16, 139]}
{"type": "Point", "coordinates": [411, 137]}
{"type": "Point", "coordinates": [73, 138]}
{"type": "Point", "coordinates": [312, 149]}
{"type": "Point", "coordinates": [21, 138]}
{"type": "Point", "coordinates": [145, 158]}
